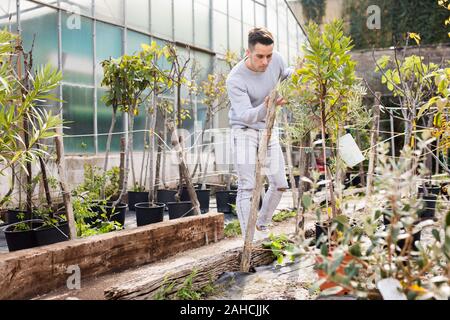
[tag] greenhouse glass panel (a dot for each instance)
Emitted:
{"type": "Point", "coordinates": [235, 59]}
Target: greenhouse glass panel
{"type": "Point", "coordinates": [76, 6]}
{"type": "Point", "coordinates": [39, 26]}
{"type": "Point", "coordinates": [77, 53]}
{"type": "Point", "coordinates": [8, 17]}
{"type": "Point", "coordinates": [110, 10]}
{"type": "Point", "coordinates": [220, 5]}
{"type": "Point", "coordinates": [236, 35]}
{"type": "Point", "coordinates": [183, 21]}
{"type": "Point", "coordinates": [161, 19]}
{"type": "Point", "coordinates": [135, 40]}
{"type": "Point", "coordinates": [138, 14]}
{"type": "Point", "coordinates": [249, 12]}
{"type": "Point", "coordinates": [114, 48]}
{"type": "Point", "coordinates": [78, 113]}
{"type": "Point", "coordinates": [235, 9]}
{"type": "Point", "coordinates": [260, 15]}
{"type": "Point", "coordinates": [202, 21]}
{"type": "Point", "coordinates": [220, 34]}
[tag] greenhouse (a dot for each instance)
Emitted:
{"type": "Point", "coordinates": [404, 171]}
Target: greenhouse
{"type": "Point", "coordinates": [224, 150]}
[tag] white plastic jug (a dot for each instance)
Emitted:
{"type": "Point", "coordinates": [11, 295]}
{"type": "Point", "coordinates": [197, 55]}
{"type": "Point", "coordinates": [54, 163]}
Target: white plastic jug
{"type": "Point", "coordinates": [349, 151]}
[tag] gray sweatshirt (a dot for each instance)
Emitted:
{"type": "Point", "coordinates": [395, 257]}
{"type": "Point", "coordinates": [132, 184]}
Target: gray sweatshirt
{"type": "Point", "coordinates": [247, 91]}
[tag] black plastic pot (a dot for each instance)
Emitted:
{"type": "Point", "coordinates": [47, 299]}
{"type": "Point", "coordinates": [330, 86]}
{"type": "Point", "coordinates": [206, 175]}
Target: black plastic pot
{"type": "Point", "coordinates": [136, 197]}
{"type": "Point", "coordinates": [224, 200]}
{"type": "Point", "coordinates": [320, 230]}
{"type": "Point", "coordinates": [430, 189]}
{"type": "Point", "coordinates": [116, 213]}
{"type": "Point", "coordinates": [203, 198]}
{"type": "Point", "coordinates": [296, 179]}
{"type": "Point", "coordinates": [429, 210]}
{"type": "Point", "coordinates": [416, 237]}
{"type": "Point", "coordinates": [146, 214]}
{"type": "Point", "coordinates": [50, 235]}
{"type": "Point", "coordinates": [165, 196]}
{"type": "Point", "coordinates": [12, 216]}
{"type": "Point", "coordinates": [20, 240]}
{"type": "Point", "coordinates": [180, 209]}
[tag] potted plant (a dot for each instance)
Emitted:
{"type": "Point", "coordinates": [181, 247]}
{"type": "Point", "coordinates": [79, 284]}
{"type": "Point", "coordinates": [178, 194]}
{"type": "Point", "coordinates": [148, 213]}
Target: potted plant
{"type": "Point", "coordinates": [149, 211]}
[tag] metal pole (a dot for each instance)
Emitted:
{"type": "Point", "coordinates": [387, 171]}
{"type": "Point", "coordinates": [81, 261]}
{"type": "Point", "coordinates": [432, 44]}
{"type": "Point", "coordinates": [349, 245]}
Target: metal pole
{"type": "Point", "coordinates": [94, 46]}
{"type": "Point", "coordinates": [19, 24]}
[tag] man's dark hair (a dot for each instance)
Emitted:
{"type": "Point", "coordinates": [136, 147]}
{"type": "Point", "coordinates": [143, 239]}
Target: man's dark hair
{"type": "Point", "coordinates": [259, 35]}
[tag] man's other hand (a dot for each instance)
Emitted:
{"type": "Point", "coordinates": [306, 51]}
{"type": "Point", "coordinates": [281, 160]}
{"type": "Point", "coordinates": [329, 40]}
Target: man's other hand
{"type": "Point", "coordinates": [280, 101]}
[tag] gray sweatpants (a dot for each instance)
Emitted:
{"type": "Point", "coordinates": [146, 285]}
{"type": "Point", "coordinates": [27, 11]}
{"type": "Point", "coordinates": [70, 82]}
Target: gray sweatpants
{"type": "Point", "coordinates": [245, 144]}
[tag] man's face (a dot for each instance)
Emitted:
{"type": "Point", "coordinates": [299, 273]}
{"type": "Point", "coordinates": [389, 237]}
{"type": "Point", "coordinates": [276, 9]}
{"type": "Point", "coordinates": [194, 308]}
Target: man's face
{"type": "Point", "coordinates": [259, 57]}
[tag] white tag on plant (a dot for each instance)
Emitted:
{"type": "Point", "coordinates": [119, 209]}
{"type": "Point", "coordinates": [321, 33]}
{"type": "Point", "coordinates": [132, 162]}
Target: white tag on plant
{"type": "Point", "coordinates": [390, 289]}
{"type": "Point", "coordinates": [349, 151]}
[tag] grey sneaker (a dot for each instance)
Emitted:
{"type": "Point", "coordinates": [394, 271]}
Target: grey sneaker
{"type": "Point", "coordinates": [262, 228]}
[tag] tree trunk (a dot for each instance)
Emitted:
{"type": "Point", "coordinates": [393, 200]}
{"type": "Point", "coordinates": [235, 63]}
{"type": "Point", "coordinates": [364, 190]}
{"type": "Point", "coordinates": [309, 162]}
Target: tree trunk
{"type": "Point", "coordinates": [126, 167]}
{"type": "Point", "coordinates": [158, 166]}
{"type": "Point", "coordinates": [305, 162]}
{"type": "Point", "coordinates": [151, 197]}
{"type": "Point", "coordinates": [131, 149]}
{"type": "Point", "coordinates": [184, 170]}
{"type": "Point", "coordinates": [209, 150]}
{"type": "Point", "coordinates": [262, 155]}
{"type": "Point", "coordinates": [45, 182]}
{"type": "Point", "coordinates": [143, 177]}
{"type": "Point", "coordinates": [373, 149]}
{"type": "Point", "coordinates": [108, 148]}
{"type": "Point", "coordinates": [163, 171]}
{"type": "Point", "coordinates": [362, 173]}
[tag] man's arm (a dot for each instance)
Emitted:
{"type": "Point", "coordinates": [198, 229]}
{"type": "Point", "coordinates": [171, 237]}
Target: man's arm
{"type": "Point", "coordinates": [242, 106]}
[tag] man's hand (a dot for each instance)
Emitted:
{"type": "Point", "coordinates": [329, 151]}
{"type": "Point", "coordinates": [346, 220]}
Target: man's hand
{"type": "Point", "coordinates": [280, 102]}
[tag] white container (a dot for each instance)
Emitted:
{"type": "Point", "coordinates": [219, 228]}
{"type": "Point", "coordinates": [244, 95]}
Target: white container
{"type": "Point", "coordinates": [349, 151]}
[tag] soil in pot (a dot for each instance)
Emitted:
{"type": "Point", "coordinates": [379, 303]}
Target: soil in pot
{"type": "Point", "coordinates": [148, 214]}
{"type": "Point", "coordinates": [47, 235]}
{"type": "Point", "coordinates": [136, 197]}
{"type": "Point", "coordinates": [19, 239]}
{"type": "Point", "coordinates": [225, 200]}
{"type": "Point", "coordinates": [165, 196]}
{"type": "Point", "coordinates": [180, 209]}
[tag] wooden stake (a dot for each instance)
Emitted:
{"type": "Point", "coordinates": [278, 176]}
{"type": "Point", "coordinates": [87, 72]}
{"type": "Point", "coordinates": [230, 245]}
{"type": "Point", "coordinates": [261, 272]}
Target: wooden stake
{"type": "Point", "coordinates": [373, 143]}
{"type": "Point", "coordinates": [66, 192]}
{"type": "Point", "coordinates": [262, 155]}
{"type": "Point", "coordinates": [294, 187]}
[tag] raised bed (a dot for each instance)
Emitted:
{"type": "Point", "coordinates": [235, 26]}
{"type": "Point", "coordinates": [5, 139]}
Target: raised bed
{"type": "Point", "coordinates": [33, 272]}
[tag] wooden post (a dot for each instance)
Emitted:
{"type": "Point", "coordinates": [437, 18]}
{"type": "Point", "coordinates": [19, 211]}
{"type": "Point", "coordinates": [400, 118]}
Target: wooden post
{"type": "Point", "coordinates": [262, 155]}
{"type": "Point", "coordinates": [294, 187]}
{"type": "Point", "coordinates": [305, 161]}
{"type": "Point", "coordinates": [66, 192]}
{"type": "Point", "coordinates": [373, 143]}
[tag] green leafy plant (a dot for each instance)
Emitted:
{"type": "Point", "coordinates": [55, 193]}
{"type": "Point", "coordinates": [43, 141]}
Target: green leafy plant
{"type": "Point", "coordinates": [232, 229]}
{"type": "Point", "coordinates": [284, 215]}
{"type": "Point", "coordinates": [282, 247]}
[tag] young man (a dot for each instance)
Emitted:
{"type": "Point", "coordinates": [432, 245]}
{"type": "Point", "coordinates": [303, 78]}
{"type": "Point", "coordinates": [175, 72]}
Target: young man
{"type": "Point", "coordinates": [249, 85]}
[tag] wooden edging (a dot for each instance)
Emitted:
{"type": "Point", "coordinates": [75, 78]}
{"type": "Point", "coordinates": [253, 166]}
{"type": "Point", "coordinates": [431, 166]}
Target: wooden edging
{"type": "Point", "coordinates": [33, 272]}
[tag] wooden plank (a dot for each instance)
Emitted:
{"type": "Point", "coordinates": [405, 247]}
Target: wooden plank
{"type": "Point", "coordinates": [37, 271]}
